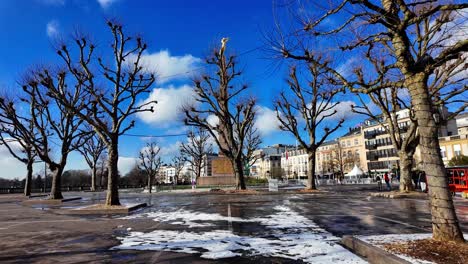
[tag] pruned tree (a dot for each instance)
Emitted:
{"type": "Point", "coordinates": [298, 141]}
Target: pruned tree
{"type": "Point", "coordinates": [404, 138]}
{"type": "Point", "coordinates": [400, 44]}
{"type": "Point", "coordinates": [92, 150]}
{"type": "Point", "coordinates": [178, 162]}
{"type": "Point", "coordinates": [216, 94]}
{"type": "Point", "coordinates": [195, 149]}
{"type": "Point", "coordinates": [112, 89]}
{"type": "Point", "coordinates": [48, 122]}
{"type": "Point", "coordinates": [310, 107]}
{"type": "Point", "coordinates": [150, 162]}
{"type": "Point", "coordinates": [17, 144]}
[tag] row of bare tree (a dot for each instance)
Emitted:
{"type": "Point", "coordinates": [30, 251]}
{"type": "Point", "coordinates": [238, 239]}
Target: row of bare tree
{"type": "Point", "coordinates": [402, 46]}
{"type": "Point", "coordinates": [412, 48]}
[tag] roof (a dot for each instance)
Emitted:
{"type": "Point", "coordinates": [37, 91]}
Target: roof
{"type": "Point", "coordinates": [462, 115]}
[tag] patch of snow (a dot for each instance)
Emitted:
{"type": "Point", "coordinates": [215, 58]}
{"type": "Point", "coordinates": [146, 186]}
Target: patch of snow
{"type": "Point", "coordinates": [185, 217]}
{"type": "Point", "coordinates": [222, 244]}
{"type": "Point", "coordinates": [287, 235]}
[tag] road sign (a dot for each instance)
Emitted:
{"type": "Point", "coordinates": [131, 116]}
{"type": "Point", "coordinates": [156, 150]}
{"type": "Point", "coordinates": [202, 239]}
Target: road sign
{"type": "Point", "coordinates": [273, 185]}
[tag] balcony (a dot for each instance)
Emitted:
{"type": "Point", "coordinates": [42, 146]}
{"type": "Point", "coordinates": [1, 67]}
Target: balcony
{"type": "Point", "coordinates": [369, 134]}
{"type": "Point", "coordinates": [371, 146]}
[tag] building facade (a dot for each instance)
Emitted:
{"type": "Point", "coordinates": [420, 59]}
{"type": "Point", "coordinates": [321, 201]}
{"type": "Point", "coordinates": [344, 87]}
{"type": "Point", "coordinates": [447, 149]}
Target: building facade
{"type": "Point", "coordinates": [351, 150]}
{"type": "Point", "coordinates": [452, 146]}
{"type": "Point", "coordinates": [268, 162]}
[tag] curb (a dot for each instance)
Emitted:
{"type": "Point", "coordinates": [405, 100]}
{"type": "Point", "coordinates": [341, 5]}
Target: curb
{"type": "Point", "coordinates": [393, 195]}
{"type": "Point", "coordinates": [371, 253]}
{"type": "Point", "coordinates": [91, 211]}
{"type": "Point", "coordinates": [33, 201]}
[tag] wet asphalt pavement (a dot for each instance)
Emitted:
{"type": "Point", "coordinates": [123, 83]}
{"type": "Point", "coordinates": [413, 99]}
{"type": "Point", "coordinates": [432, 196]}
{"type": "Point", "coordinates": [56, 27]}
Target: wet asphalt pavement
{"type": "Point", "coordinates": [45, 234]}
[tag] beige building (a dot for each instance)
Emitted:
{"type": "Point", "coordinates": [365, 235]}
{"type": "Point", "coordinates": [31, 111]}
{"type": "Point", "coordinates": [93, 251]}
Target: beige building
{"type": "Point", "coordinates": [352, 151]}
{"type": "Point", "coordinates": [453, 146]}
{"type": "Point", "coordinates": [326, 159]}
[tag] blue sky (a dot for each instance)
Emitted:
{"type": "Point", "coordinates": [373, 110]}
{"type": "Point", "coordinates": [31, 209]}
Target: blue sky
{"type": "Point", "coordinates": [179, 35]}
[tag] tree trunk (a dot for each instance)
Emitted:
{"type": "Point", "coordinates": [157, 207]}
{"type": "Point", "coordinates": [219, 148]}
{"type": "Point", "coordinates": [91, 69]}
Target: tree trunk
{"type": "Point", "coordinates": [93, 177]}
{"type": "Point", "coordinates": [311, 171]}
{"type": "Point", "coordinates": [150, 182]}
{"type": "Point", "coordinates": [112, 197]}
{"type": "Point", "coordinates": [239, 173]}
{"type": "Point", "coordinates": [406, 163]}
{"type": "Point", "coordinates": [445, 225]}
{"type": "Point", "coordinates": [28, 182]}
{"type": "Point", "coordinates": [56, 189]}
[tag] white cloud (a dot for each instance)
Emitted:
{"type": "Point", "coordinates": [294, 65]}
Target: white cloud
{"type": "Point", "coordinates": [125, 164]}
{"type": "Point", "coordinates": [52, 29]}
{"type": "Point", "coordinates": [212, 120]}
{"type": "Point", "coordinates": [106, 3]}
{"type": "Point", "coordinates": [266, 121]}
{"type": "Point", "coordinates": [11, 167]}
{"type": "Point", "coordinates": [170, 100]}
{"type": "Point", "coordinates": [343, 110]}
{"type": "Point", "coordinates": [170, 150]}
{"type": "Point", "coordinates": [168, 67]}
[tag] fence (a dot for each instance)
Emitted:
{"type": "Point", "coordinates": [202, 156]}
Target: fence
{"type": "Point", "coordinates": [64, 189]}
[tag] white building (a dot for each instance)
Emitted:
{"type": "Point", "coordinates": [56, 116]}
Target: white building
{"type": "Point", "coordinates": [462, 123]}
{"type": "Point", "coordinates": [166, 174]}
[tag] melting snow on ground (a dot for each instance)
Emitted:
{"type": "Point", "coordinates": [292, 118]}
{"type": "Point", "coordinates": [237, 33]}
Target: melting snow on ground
{"type": "Point", "coordinates": [287, 235]}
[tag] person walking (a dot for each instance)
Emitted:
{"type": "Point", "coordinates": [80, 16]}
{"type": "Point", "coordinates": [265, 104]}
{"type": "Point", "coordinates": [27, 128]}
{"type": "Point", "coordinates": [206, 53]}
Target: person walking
{"type": "Point", "coordinates": [423, 181]}
{"type": "Point", "coordinates": [387, 181]}
{"type": "Point", "coordinates": [379, 183]}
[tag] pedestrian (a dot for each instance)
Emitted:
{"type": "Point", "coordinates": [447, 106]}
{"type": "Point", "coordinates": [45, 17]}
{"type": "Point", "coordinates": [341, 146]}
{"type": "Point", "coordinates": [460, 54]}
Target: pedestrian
{"type": "Point", "coordinates": [414, 176]}
{"type": "Point", "coordinates": [379, 183]}
{"type": "Point", "coordinates": [387, 181]}
{"type": "Point", "coordinates": [423, 181]}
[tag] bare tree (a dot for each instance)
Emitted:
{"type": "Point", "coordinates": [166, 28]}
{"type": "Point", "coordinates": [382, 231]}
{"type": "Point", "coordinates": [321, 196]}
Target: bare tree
{"type": "Point", "coordinates": [404, 138]}
{"type": "Point", "coordinates": [195, 149]}
{"type": "Point", "coordinates": [14, 141]}
{"type": "Point", "coordinates": [47, 121]}
{"type": "Point", "coordinates": [253, 142]}
{"type": "Point", "coordinates": [102, 169]}
{"type": "Point", "coordinates": [150, 162]}
{"type": "Point", "coordinates": [401, 44]}
{"type": "Point", "coordinates": [340, 159]}
{"type": "Point", "coordinates": [216, 94]}
{"type": "Point", "coordinates": [109, 108]}
{"type": "Point", "coordinates": [92, 149]}
{"type": "Point", "coordinates": [178, 162]}
{"type": "Point", "coordinates": [314, 106]}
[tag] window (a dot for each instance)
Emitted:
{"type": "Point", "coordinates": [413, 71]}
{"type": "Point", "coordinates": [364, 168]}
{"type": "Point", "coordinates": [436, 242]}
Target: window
{"type": "Point", "coordinates": [443, 152]}
{"type": "Point", "coordinates": [457, 150]}
{"type": "Point", "coordinates": [348, 143]}
{"type": "Point", "coordinates": [356, 141]}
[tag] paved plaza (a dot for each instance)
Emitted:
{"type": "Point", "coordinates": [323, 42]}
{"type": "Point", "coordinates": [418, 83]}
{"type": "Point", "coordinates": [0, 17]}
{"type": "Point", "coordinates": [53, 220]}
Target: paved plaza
{"type": "Point", "coordinates": [287, 227]}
